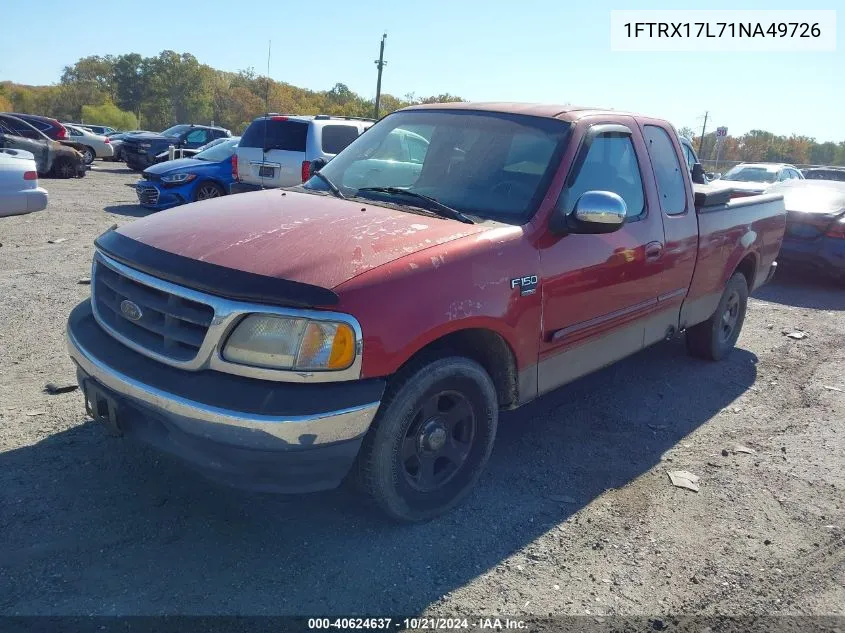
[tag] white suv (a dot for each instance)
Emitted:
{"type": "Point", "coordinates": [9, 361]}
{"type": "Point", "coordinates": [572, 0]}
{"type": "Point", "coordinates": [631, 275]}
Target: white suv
{"type": "Point", "coordinates": [276, 150]}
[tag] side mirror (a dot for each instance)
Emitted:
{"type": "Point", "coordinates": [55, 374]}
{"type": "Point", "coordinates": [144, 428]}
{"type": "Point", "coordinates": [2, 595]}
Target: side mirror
{"type": "Point", "coordinates": [713, 176]}
{"type": "Point", "coordinates": [698, 176]}
{"type": "Point", "coordinates": [317, 164]}
{"type": "Point", "coordinates": [594, 212]}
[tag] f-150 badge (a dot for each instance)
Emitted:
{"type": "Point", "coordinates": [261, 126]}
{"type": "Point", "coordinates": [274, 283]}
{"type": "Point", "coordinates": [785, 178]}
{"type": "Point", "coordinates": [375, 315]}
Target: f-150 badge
{"type": "Point", "coordinates": [527, 285]}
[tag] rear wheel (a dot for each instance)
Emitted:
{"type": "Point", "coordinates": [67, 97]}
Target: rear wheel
{"type": "Point", "coordinates": [431, 439]}
{"type": "Point", "coordinates": [207, 190]}
{"type": "Point", "coordinates": [64, 168]}
{"type": "Point", "coordinates": [88, 155]}
{"type": "Point", "coordinates": [717, 336]}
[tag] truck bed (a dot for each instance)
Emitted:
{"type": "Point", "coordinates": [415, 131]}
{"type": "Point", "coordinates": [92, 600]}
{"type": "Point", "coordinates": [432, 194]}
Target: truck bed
{"type": "Point", "coordinates": [742, 234]}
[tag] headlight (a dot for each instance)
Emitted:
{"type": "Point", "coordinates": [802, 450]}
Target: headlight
{"type": "Point", "coordinates": [146, 144]}
{"type": "Point", "coordinates": [178, 178]}
{"type": "Point", "coordinates": [289, 343]}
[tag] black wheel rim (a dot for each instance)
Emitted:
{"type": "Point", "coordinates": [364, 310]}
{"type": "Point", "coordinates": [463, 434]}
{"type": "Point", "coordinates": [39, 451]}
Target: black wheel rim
{"type": "Point", "coordinates": [730, 316]}
{"type": "Point", "coordinates": [207, 191]}
{"type": "Point", "coordinates": [66, 169]}
{"type": "Point", "coordinates": [438, 441]}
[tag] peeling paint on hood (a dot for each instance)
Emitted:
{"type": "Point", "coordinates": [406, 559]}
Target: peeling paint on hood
{"type": "Point", "coordinates": [313, 239]}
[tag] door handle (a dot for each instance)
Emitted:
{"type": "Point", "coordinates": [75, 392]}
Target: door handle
{"type": "Point", "coordinates": [653, 251]}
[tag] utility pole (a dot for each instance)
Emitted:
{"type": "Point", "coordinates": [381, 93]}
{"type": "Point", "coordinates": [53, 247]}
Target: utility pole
{"type": "Point", "coordinates": [703, 128]}
{"type": "Point", "coordinates": [380, 63]}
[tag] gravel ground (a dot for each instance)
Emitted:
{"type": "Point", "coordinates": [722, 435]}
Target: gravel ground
{"type": "Point", "coordinates": [575, 515]}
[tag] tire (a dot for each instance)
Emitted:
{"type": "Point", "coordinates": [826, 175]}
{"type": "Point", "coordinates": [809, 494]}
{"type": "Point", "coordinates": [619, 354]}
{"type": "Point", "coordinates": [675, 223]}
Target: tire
{"type": "Point", "coordinates": [207, 190]}
{"type": "Point", "coordinates": [88, 155]}
{"type": "Point", "coordinates": [448, 403]}
{"type": "Point", "coordinates": [64, 168]}
{"type": "Point", "coordinates": [716, 337]}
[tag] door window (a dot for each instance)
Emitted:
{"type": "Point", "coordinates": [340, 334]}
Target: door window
{"type": "Point", "coordinates": [199, 137]}
{"type": "Point", "coordinates": [609, 165]}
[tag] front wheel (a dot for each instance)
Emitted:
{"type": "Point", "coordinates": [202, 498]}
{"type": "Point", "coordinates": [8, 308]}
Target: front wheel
{"type": "Point", "coordinates": [207, 190]}
{"type": "Point", "coordinates": [717, 336]}
{"type": "Point", "coordinates": [431, 439]}
{"type": "Point", "coordinates": [88, 155]}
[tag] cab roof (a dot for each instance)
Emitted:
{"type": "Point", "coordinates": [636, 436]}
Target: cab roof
{"type": "Point", "coordinates": [566, 112]}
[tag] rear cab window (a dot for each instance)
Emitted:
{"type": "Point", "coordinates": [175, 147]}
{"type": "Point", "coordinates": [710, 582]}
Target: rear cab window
{"type": "Point", "coordinates": [276, 134]}
{"type": "Point", "coordinates": [335, 137]}
{"type": "Point", "coordinates": [667, 170]}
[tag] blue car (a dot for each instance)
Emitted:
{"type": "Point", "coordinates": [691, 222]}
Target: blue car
{"type": "Point", "coordinates": [174, 182]}
{"type": "Point", "coordinates": [815, 225]}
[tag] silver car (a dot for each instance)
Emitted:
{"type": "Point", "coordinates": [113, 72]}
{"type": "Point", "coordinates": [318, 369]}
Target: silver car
{"type": "Point", "coordinates": [91, 145]}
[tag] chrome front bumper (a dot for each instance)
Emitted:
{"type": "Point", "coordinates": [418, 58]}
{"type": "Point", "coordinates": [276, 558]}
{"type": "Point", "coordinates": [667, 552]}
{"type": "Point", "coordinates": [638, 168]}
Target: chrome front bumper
{"type": "Point", "coordinates": [246, 430]}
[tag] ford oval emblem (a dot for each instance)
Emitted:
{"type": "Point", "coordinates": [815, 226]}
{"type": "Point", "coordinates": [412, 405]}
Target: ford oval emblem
{"type": "Point", "coordinates": [130, 310]}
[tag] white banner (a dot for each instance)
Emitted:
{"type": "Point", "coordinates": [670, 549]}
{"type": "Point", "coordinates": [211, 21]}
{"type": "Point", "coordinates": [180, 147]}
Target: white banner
{"type": "Point", "coordinates": [723, 30]}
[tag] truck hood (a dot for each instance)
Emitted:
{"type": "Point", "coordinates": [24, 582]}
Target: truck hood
{"type": "Point", "coordinates": [309, 238]}
{"type": "Point", "coordinates": [151, 138]}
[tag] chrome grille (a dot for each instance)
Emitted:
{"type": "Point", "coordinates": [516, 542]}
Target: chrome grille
{"type": "Point", "coordinates": [155, 320]}
{"type": "Point", "coordinates": [147, 195]}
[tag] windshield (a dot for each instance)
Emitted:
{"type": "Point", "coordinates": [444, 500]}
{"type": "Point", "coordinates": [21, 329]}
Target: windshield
{"type": "Point", "coordinates": [176, 130]}
{"type": "Point", "coordinates": [750, 174]}
{"type": "Point", "coordinates": [220, 151]}
{"type": "Point", "coordinates": [486, 164]}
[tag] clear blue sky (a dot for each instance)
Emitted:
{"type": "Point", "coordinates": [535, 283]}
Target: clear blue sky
{"type": "Point", "coordinates": [531, 50]}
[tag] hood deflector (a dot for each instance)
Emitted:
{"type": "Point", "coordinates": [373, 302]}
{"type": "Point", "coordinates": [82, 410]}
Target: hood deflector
{"type": "Point", "coordinates": [212, 278]}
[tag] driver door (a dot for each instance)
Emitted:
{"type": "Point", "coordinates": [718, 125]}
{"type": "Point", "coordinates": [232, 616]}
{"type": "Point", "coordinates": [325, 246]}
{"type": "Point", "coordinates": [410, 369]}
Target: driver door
{"type": "Point", "coordinates": [599, 289]}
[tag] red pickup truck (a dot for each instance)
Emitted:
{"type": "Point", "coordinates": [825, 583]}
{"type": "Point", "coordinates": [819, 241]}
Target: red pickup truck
{"type": "Point", "coordinates": [453, 261]}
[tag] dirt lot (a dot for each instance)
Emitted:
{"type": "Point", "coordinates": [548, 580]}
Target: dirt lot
{"type": "Point", "coordinates": [575, 514]}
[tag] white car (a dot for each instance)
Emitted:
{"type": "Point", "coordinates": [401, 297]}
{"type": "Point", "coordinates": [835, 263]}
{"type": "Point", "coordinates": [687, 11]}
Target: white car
{"type": "Point", "coordinates": [754, 178]}
{"type": "Point", "coordinates": [92, 145]}
{"type": "Point", "coordinates": [19, 190]}
{"type": "Point", "coordinates": [276, 150]}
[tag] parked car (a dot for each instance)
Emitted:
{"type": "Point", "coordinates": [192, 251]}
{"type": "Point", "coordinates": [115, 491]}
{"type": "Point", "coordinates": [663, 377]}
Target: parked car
{"type": "Point", "coordinates": [273, 340]}
{"type": "Point", "coordinates": [174, 182]}
{"type": "Point", "coordinates": [824, 173]}
{"type": "Point", "coordinates": [19, 190]}
{"type": "Point", "coordinates": [88, 144]}
{"type": "Point", "coordinates": [140, 150]}
{"type": "Point", "coordinates": [51, 157]}
{"type": "Point", "coordinates": [815, 225]}
{"type": "Point", "coordinates": [184, 152]}
{"type": "Point", "coordinates": [50, 127]}
{"type": "Point", "coordinates": [277, 150]}
{"type": "Point", "coordinates": [754, 178]}
{"type": "Point", "coordinates": [102, 130]}
{"type": "Point", "coordinates": [117, 142]}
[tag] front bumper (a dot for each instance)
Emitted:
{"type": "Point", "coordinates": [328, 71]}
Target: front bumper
{"type": "Point", "coordinates": [243, 187]}
{"type": "Point", "coordinates": [137, 160]}
{"type": "Point", "coordinates": [152, 195]}
{"type": "Point", "coordinates": [256, 434]}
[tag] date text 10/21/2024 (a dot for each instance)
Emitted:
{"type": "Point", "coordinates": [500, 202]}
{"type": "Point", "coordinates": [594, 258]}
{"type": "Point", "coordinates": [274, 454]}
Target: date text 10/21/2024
{"type": "Point", "coordinates": [417, 624]}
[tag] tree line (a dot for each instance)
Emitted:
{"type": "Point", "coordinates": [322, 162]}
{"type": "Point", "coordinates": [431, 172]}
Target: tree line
{"type": "Point", "coordinates": [135, 92]}
{"type": "Point", "coordinates": [765, 147]}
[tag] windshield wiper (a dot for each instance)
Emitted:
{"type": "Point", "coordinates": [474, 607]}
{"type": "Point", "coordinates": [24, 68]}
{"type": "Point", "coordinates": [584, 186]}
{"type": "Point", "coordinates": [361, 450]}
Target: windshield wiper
{"type": "Point", "coordinates": [332, 187]}
{"type": "Point", "coordinates": [433, 203]}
